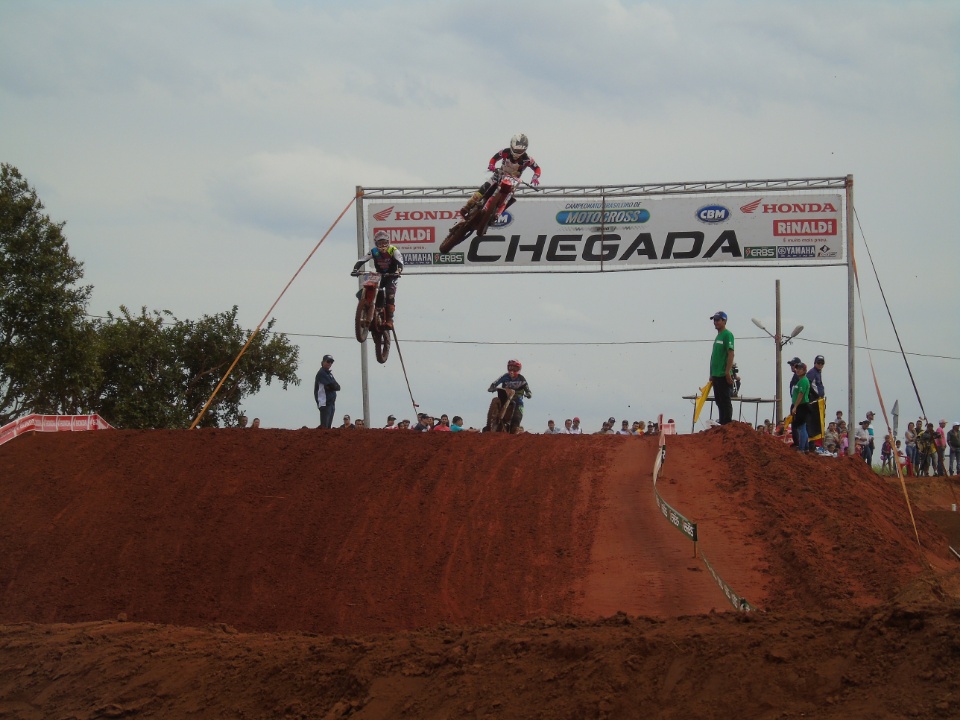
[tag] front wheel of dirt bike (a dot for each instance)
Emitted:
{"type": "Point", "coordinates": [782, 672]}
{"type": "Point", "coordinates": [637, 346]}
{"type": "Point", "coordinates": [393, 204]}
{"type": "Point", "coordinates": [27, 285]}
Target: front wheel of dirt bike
{"type": "Point", "coordinates": [456, 235]}
{"type": "Point", "coordinates": [361, 323]}
{"type": "Point", "coordinates": [493, 415]}
{"type": "Point", "coordinates": [381, 344]}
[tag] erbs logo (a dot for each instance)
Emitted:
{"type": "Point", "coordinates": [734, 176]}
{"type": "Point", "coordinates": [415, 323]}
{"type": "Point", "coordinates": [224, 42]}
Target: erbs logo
{"type": "Point", "coordinates": [767, 253]}
{"type": "Point", "coordinates": [505, 219]}
{"type": "Point", "coordinates": [713, 214]}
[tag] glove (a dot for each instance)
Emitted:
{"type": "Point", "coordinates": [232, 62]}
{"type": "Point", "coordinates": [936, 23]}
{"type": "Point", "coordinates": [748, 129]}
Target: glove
{"type": "Point", "coordinates": [492, 388]}
{"type": "Point", "coordinates": [536, 180]}
{"type": "Point", "coordinates": [400, 270]}
{"type": "Point", "coordinates": [355, 273]}
{"type": "Point", "coordinates": [491, 167]}
{"type": "Point", "coordinates": [527, 394]}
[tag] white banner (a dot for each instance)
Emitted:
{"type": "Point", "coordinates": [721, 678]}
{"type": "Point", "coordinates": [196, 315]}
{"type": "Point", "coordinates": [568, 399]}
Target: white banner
{"type": "Point", "coordinates": [622, 232]}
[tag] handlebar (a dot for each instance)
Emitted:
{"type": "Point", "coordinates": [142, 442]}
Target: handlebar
{"type": "Point", "coordinates": [498, 173]}
{"type": "Point", "coordinates": [358, 273]}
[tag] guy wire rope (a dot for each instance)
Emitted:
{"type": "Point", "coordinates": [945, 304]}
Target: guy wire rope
{"type": "Point", "coordinates": [260, 324]}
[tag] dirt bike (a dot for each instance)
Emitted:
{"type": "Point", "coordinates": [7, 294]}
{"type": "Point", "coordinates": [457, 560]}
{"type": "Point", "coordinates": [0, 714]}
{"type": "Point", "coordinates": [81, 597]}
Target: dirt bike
{"type": "Point", "coordinates": [483, 213]}
{"type": "Point", "coordinates": [503, 412]}
{"type": "Point", "coordinates": [370, 317]}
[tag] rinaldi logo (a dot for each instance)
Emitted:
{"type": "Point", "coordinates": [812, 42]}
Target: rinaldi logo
{"type": "Point", "coordinates": [415, 235]}
{"type": "Point", "coordinates": [806, 228]}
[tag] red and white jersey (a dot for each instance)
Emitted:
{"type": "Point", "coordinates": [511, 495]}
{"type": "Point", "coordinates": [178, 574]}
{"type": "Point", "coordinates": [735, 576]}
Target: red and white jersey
{"type": "Point", "coordinates": [515, 167]}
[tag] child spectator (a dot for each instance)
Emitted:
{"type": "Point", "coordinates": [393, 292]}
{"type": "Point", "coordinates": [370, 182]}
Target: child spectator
{"type": "Point", "coordinates": [886, 453]}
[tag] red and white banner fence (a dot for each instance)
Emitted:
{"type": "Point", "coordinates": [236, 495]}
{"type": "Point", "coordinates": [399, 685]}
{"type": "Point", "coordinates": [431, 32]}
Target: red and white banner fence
{"type": "Point", "coordinates": [52, 423]}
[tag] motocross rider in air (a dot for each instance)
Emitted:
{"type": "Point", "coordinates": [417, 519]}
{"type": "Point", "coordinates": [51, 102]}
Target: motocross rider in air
{"type": "Point", "coordinates": [513, 380]}
{"type": "Point", "coordinates": [515, 161]}
{"type": "Point", "coordinates": [387, 259]}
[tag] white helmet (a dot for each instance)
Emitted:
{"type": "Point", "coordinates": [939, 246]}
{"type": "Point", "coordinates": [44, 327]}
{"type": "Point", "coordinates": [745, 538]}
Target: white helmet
{"type": "Point", "coordinates": [381, 235]}
{"type": "Point", "coordinates": [518, 144]}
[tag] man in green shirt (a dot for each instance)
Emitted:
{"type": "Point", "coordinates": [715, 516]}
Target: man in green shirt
{"type": "Point", "coordinates": [721, 368]}
{"type": "Point", "coordinates": [799, 407]}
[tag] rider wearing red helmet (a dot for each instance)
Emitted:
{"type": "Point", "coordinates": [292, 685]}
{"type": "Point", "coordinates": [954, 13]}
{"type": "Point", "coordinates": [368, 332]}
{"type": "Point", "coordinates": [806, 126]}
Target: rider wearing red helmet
{"type": "Point", "coordinates": [514, 161]}
{"type": "Point", "coordinates": [389, 262]}
{"type": "Point", "coordinates": [513, 380]}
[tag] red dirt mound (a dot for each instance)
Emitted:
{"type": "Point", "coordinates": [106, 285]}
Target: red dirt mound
{"type": "Point", "coordinates": [798, 531]}
{"type": "Point", "coordinates": [359, 532]}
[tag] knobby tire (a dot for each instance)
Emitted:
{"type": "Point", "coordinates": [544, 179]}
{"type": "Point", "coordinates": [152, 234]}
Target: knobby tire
{"type": "Point", "coordinates": [456, 235]}
{"type": "Point", "coordinates": [381, 343]}
{"type": "Point", "coordinates": [358, 326]}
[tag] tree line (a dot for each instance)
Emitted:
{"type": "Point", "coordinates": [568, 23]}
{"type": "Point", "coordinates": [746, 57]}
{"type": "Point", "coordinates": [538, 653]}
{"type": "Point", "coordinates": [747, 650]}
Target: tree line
{"type": "Point", "coordinates": [137, 370]}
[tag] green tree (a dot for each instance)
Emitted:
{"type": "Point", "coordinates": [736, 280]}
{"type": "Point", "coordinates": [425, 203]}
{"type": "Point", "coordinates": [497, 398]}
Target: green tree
{"type": "Point", "coordinates": [46, 355]}
{"type": "Point", "coordinates": [156, 371]}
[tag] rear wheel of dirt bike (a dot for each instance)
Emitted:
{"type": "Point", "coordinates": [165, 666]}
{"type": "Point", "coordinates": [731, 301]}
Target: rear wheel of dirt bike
{"type": "Point", "coordinates": [381, 343]}
{"type": "Point", "coordinates": [360, 327]}
{"type": "Point", "coordinates": [454, 237]}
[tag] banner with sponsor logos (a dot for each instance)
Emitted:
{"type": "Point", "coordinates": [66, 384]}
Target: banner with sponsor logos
{"type": "Point", "coordinates": [620, 232]}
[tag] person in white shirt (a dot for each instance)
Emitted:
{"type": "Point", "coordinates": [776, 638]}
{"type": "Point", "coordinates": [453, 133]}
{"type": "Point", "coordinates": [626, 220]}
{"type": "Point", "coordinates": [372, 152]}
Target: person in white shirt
{"type": "Point", "coordinates": [624, 428]}
{"type": "Point", "coordinates": [567, 427]}
{"type": "Point", "coordinates": [391, 423]}
{"type": "Point", "coordinates": [552, 428]}
{"type": "Point", "coordinates": [575, 427]}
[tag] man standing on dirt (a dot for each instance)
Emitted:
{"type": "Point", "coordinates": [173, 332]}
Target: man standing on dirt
{"type": "Point", "coordinates": [953, 440]}
{"type": "Point", "coordinates": [325, 389]}
{"type": "Point", "coordinates": [800, 407]}
{"type": "Point", "coordinates": [940, 440]}
{"type": "Point", "coordinates": [721, 367]}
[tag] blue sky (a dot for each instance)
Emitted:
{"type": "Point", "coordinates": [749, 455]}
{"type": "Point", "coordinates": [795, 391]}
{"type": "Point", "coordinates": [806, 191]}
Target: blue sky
{"type": "Point", "coordinates": [199, 150]}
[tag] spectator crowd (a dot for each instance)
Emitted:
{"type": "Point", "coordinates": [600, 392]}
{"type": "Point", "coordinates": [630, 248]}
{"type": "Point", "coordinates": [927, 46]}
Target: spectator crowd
{"type": "Point", "coordinates": [926, 449]}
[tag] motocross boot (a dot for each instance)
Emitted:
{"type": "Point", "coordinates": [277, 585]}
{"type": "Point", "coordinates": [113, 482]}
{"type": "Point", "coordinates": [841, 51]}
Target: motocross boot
{"type": "Point", "coordinates": [474, 199]}
{"type": "Point", "coordinates": [388, 316]}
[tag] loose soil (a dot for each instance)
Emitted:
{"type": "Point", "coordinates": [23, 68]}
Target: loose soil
{"type": "Point", "coordinates": [376, 574]}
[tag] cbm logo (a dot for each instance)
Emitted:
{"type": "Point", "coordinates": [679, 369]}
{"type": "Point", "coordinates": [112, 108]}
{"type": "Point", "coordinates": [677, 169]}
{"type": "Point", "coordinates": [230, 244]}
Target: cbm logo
{"type": "Point", "coordinates": [712, 214]}
{"type": "Point", "coordinates": [505, 219]}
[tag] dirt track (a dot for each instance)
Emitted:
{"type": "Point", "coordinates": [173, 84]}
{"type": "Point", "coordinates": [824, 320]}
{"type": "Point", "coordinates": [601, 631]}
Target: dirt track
{"type": "Point", "coordinates": [165, 563]}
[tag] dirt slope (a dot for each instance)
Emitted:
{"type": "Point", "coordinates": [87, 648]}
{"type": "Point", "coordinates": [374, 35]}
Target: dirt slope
{"type": "Point", "coordinates": [482, 564]}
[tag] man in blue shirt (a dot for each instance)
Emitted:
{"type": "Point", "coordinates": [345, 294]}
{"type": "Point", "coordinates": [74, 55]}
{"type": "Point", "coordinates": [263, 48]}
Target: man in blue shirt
{"type": "Point", "coordinates": [325, 389]}
{"type": "Point", "coordinates": [814, 425]}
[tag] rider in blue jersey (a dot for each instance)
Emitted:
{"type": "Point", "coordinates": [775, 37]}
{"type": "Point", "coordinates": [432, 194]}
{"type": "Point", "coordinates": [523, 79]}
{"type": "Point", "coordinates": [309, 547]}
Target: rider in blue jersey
{"type": "Point", "coordinates": [513, 380]}
{"type": "Point", "coordinates": [389, 262]}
